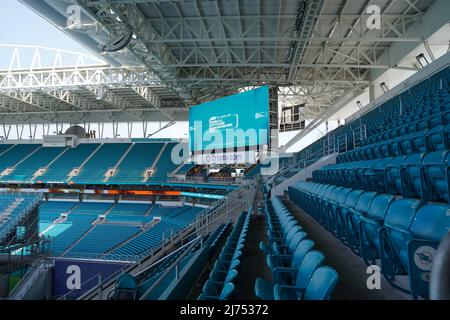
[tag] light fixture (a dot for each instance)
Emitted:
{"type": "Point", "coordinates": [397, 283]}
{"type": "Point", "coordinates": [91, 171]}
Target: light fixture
{"type": "Point", "coordinates": [384, 87]}
{"type": "Point", "coordinates": [359, 104]}
{"type": "Point", "coordinates": [422, 60]}
{"type": "Point", "coordinates": [100, 93]}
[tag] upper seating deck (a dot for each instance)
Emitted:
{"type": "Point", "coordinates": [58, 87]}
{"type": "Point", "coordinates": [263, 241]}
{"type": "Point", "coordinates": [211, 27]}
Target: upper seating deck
{"type": "Point", "coordinates": [165, 165]}
{"type": "Point", "coordinates": [15, 154]}
{"type": "Point", "coordinates": [71, 159]}
{"type": "Point", "coordinates": [39, 159]}
{"type": "Point", "coordinates": [140, 157]}
{"type": "Point", "coordinates": [105, 158]}
{"type": "Point", "coordinates": [130, 161]}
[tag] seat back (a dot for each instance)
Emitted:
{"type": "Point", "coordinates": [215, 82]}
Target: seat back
{"type": "Point", "coordinates": [352, 198]}
{"type": "Point", "coordinates": [298, 237]}
{"type": "Point", "coordinates": [401, 213]}
{"type": "Point", "coordinates": [397, 222]}
{"type": "Point", "coordinates": [342, 195]}
{"type": "Point", "coordinates": [322, 284]}
{"type": "Point", "coordinates": [364, 202]}
{"type": "Point", "coordinates": [393, 178]}
{"type": "Point", "coordinates": [412, 186]}
{"type": "Point", "coordinates": [300, 252]}
{"type": "Point", "coordinates": [227, 291]}
{"type": "Point", "coordinates": [379, 207]}
{"type": "Point", "coordinates": [435, 172]}
{"type": "Point", "coordinates": [431, 222]}
{"type": "Point", "coordinates": [311, 262]}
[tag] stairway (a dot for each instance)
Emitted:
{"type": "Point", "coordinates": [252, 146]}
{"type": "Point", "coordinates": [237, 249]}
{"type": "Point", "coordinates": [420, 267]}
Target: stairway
{"type": "Point", "coordinates": [80, 167]}
{"type": "Point", "coordinates": [119, 161]}
{"type": "Point", "coordinates": [155, 163]}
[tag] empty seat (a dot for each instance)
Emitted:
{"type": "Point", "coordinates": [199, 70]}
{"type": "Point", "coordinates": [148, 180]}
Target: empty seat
{"type": "Point", "coordinates": [341, 220]}
{"type": "Point", "coordinates": [352, 220]}
{"type": "Point", "coordinates": [214, 291]}
{"type": "Point", "coordinates": [438, 138]}
{"type": "Point", "coordinates": [301, 276]}
{"type": "Point", "coordinates": [411, 177]}
{"type": "Point", "coordinates": [393, 175]}
{"type": "Point", "coordinates": [320, 287]}
{"type": "Point", "coordinates": [371, 224]}
{"type": "Point", "coordinates": [435, 176]}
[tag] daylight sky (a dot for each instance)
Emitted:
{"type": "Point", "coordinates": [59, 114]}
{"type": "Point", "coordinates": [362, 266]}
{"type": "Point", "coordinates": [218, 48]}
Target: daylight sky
{"type": "Point", "coordinates": [20, 25]}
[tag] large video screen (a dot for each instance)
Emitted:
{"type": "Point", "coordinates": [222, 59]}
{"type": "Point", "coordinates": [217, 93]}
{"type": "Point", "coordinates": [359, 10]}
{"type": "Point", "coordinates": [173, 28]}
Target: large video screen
{"type": "Point", "coordinates": [237, 121]}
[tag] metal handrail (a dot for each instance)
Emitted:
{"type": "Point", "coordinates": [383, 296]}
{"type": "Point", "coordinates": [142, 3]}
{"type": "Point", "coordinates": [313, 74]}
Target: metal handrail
{"type": "Point", "coordinates": [32, 270]}
{"type": "Point", "coordinates": [190, 245]}
{"type": "Point", "coordinates": [165, 257]}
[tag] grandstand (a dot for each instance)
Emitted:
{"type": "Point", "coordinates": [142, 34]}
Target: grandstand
{"type": "Point", "coordinates": [240, 150]}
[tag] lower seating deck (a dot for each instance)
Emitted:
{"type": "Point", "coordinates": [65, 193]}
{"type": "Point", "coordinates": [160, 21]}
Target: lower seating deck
{"type": "Point", "coordinates": [105, 230]}
{"type": "Point", "coordinates": [253, 263]}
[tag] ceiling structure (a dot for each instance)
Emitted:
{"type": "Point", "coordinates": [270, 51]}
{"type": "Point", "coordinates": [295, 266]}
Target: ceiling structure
{"type": "Point", "coordinates": [162, 56]}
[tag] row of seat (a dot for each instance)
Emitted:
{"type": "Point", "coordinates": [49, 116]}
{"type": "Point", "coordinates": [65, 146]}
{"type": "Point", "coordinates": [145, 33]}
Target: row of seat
{"type": "Point", "coordinates": [424, 106]}
{"type": "Point", "coordinates": [430, 140]}
{"type": "Point", "coordinates": [297, 269]}
{"type": "Point", "coordinates": [428, 97]}
{"type": "Point", "coordinates": [220, 285]}
{"type": "Point", "coordinates": [422, 175]}
{"type": "Point", "coordinates": [401, 232]}
{"type": "Point", "coordinates": [412, 120]}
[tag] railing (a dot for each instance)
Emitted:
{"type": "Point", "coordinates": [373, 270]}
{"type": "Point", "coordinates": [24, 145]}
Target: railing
{"type": "Point", "coordinates": [342, 143]}
{"type": "Point", "coordinates": [25, 283]}
{"type": "Point", "coordinates": [329, 144]}
{"type": "Point", "coordinates": [300, 164]}
{"type": "Point", "coordinates": [359, 135]}
{"type": "Point", "coordinates": [73, 294]}
{"type": "Point", "coordinates": [187, 249]}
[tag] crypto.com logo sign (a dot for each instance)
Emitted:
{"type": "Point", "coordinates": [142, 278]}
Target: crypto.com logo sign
{"type": "Point", "coordinates": [213, 142]}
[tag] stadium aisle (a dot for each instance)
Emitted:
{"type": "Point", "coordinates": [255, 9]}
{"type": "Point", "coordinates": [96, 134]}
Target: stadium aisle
{"type": "Point", "coordinates": [254, 264]}
{"type": "Point", "coordinates": [351, 268]}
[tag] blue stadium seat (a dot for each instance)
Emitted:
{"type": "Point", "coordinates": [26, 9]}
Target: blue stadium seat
{"type": "Point", "coordinates": [436, 184]}
{"type": "Point", "coordinates": [292, 261]}
{"type": "Point", "coordinates": [396, 235]}
{"type": "Point", "coordinates": [293, 279]}
{"type": "Point", "coordinates": [319, 287]}
{"type": "Point", "coordinates": [336, 203]}
{"type": "Point", "coordinates": [296, 278]}
{"type": "Point", "coordinates": [351, 220]}
{"type": "Point", "coordinates": [374, 176]}
{"type": "Point", "coordinates": [371, 225]}
{"type": "Point", "coordinates": [438, 138]}
{"type": "Point", "coordinates": [393, 175]}
{"type": "Point", "coordinates": [411, 177]}
{"type": "Point", "coordinates": [341, 220]}
{"type": "Point", "coordinates": [214, 291]}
